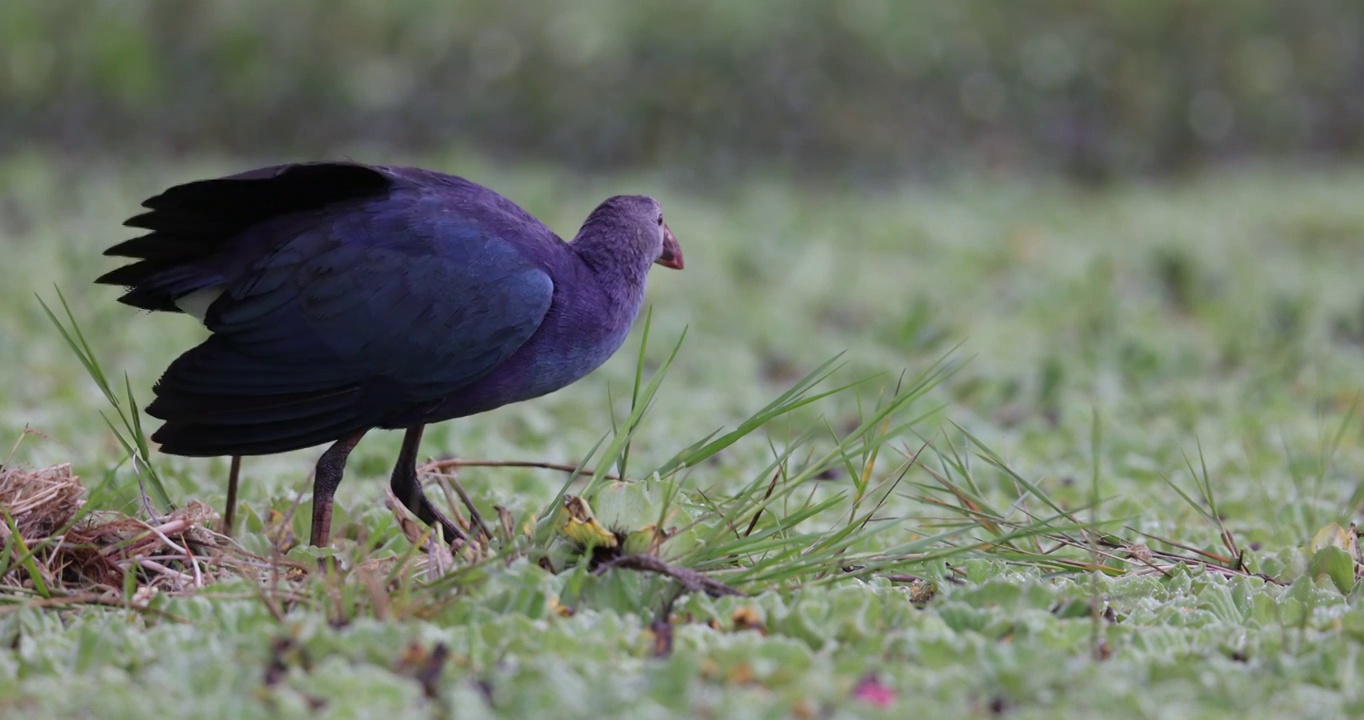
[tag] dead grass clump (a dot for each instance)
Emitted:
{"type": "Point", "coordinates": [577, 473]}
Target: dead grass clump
{"type": "Point", "coordinates": [39, 502]}
{"type": "Point", "coordinates": [175, 553]}
{"type": "Point", "coordinates": [59, 552]}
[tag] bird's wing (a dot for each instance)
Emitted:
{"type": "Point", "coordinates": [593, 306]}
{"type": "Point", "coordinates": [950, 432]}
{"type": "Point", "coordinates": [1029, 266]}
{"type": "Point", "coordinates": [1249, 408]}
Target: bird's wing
{"type": "Point", "coordinates": [369, 312]}
{"type": "Point", "coordinates": [193, 225]}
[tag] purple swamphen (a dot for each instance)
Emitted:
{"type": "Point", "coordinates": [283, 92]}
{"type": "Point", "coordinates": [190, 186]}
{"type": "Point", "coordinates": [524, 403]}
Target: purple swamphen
{"type": "Point", "coordinates": [344, 297]}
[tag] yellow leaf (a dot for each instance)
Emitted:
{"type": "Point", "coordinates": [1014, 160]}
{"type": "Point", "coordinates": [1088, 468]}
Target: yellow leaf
{"type": "Point", "coordinates": [1333, 535]}
{"type": "Point", "coordinates": [581, 527]}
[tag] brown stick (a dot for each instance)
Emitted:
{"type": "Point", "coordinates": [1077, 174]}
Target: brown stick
{"type": "Point", "coordinates": [770, 487]}
{"type": "Point", "coordinates": [691, 580]}
{"type": "Point", "coordinates": [447, 464]}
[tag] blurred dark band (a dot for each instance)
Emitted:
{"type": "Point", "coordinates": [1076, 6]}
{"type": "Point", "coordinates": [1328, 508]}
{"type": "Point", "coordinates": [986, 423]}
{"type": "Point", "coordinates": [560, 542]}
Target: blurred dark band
{"type": "Point", "coordinates": [867, 88]}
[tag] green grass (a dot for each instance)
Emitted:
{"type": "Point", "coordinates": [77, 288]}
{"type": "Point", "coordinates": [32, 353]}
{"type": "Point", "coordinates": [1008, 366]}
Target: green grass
{"type": "Point", "coordinates": [1081, 377]}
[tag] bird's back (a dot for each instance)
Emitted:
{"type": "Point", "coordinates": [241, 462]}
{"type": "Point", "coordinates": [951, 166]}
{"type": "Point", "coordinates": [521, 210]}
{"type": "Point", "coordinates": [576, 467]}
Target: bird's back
{"type": "Point", "coordinates": [204, 230]}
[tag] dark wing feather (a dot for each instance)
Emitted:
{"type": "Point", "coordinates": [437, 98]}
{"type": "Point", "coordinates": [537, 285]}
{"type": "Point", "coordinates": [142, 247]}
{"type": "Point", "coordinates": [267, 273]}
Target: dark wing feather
{"type": "Point", "coordinates": [191, 225]}
{"type": "Point", "coordinates": [374, 312]}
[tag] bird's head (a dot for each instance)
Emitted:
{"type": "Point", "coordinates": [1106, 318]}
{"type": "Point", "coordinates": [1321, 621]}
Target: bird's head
{"type": "Point", "coordinates": [637, 221]}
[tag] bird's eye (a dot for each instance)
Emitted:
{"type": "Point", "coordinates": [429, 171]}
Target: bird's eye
{"type": "Point", "coordinates": [660, 219]}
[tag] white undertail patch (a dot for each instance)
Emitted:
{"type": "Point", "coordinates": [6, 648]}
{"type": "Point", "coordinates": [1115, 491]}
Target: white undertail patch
{"type": "Point", "coordinates": [197, 302]}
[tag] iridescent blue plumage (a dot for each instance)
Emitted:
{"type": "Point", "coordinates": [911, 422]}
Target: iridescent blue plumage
{"type": "Point", "coordinates": [343, 297]}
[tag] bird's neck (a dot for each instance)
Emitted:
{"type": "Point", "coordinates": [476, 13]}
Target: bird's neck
{"type": "Point", "coordinates": [619, 270]}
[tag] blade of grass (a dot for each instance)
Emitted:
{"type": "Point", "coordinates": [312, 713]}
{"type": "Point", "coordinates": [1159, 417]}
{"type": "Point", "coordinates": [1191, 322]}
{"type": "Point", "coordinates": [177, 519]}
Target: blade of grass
{"type": "Point", "coordinates": [130, 420]}
{"type": "Point", "coordinates": [639, 379]}
{"type": "Point", "coordinates": [25, 559]}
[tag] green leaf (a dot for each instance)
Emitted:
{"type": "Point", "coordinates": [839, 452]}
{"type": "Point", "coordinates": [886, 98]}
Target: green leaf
{"type": "Point", "coordinates": [1336, 564]}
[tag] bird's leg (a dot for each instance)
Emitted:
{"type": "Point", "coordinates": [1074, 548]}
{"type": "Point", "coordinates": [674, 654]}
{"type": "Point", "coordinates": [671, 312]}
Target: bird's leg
{"type": "Point", "coordinates": [406, 487]}
{"type": "Point", "coordinates": [328, 475]}
{"type": "Point", "coordinates": [234, 472]}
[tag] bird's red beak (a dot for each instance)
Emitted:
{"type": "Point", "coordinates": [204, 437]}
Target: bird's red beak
{"type": "Point", "coordinates": [672, 252]}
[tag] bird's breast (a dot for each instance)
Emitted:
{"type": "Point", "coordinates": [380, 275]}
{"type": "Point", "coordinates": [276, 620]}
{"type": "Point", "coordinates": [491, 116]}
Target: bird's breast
{"type": "Point", "coordinates": [576, 337]}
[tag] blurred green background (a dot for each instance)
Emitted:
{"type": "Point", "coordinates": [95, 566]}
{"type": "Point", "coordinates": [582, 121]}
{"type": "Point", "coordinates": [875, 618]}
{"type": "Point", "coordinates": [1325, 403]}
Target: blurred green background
{"type": "Point", "coordinates": [709, 88]}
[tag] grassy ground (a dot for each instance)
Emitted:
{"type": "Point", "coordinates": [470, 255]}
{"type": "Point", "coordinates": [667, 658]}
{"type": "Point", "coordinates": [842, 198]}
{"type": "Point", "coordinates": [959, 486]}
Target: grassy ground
{"type": "Point", "coordinates": [1177, 362]}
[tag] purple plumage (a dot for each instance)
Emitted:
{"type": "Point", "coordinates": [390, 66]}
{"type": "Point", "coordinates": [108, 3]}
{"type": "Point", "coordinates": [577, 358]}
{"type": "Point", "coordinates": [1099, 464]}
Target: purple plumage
{"type": "Point", "coordinates": [344, 297]}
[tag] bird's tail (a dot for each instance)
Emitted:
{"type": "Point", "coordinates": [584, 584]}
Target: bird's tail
{"type": "Point", "coordinates": [216, 401]}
